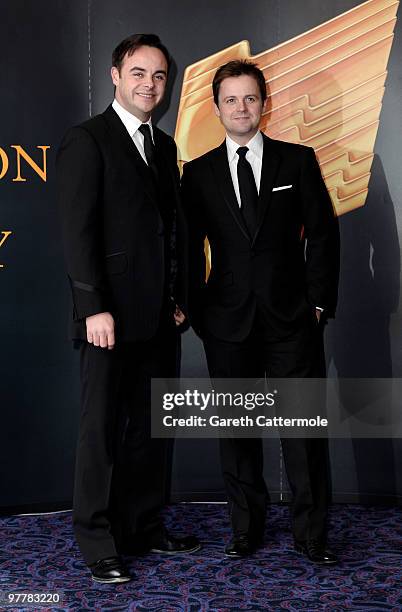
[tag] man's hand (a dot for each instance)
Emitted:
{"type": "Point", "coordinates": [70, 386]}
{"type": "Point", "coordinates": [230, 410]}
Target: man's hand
{"type": "Point", "coordinates": [100, 330]}
{"type": "Point", "coordinates": [179, 317]}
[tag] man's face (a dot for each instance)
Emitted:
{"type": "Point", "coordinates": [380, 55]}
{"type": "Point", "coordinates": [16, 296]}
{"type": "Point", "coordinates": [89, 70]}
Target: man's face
{"type": "Point", "coordinates": [240, 107]}
{"type": "Point", "coordinates": [141, 82]}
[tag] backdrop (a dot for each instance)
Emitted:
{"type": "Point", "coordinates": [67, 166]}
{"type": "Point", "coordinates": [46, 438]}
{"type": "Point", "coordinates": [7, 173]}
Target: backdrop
{"type": "Point", "coordinates": [336, 84]}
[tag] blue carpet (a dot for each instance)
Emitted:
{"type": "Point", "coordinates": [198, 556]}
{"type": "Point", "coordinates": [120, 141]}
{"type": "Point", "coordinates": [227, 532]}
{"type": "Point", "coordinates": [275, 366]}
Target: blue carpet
{"type": "Point", "coordinates": [38, 553]}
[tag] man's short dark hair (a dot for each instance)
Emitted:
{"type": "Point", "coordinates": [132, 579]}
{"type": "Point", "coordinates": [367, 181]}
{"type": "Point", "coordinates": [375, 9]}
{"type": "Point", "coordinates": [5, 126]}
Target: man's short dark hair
{"type": "Point", "coordinates": [236, 68]}
{"type": "Point", "coordinates": [129, 45]}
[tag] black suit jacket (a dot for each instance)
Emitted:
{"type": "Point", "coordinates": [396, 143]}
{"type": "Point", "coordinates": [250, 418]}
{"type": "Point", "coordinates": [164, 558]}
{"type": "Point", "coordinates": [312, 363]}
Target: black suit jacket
{"type": "Point", "coordinates": [288, 267]}
{"type": "Point", "coordinates": [115, 236]}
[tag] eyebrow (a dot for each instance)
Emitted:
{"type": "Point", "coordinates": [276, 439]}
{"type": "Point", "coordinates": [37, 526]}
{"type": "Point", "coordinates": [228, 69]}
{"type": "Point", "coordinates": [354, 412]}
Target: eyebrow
{"type": "Point", "coordinates": [254, 95]}
{"type": "Point", "coordinates": [135, 68]}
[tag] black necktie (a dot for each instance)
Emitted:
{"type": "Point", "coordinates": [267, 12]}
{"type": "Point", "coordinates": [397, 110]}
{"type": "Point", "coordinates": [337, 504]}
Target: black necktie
{"type": "Point", "coordinates": [248, 191]}
{"type": "Point", "coordinates": [149, 149]}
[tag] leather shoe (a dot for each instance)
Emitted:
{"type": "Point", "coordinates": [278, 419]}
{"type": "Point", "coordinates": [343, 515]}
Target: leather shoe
{"type": "Point", "coordinates": [316, 552]}
{"type": "Point", "coordinates": [110, 570]}
{"type": "Point", "coordinates": [239, 547]}
{"type": "Point", "coordinates": [169, 545]}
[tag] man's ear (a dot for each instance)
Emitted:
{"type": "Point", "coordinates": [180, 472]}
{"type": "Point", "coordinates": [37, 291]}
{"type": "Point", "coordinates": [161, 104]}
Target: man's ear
{"type": "Point", "coordinates": [217, 111]}
{"type": "Point", "coordinates": [264, 105]}
{"type": "Point", "coordinates": [114, 73]}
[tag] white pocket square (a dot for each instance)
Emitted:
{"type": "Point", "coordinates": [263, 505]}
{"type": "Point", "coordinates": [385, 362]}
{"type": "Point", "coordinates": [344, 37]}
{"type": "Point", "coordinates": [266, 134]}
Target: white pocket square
{"type": "Point", "coordinates": [282, 187]}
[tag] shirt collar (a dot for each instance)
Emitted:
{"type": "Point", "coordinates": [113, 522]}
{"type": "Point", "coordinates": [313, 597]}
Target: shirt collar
{"type": "Point", "coordinates": [255, 145]}
{"type": "Point", "coordinates": [131, 122]}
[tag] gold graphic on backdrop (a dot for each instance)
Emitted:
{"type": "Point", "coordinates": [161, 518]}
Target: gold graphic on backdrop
{"type": "Point", "coordinates": [326, 88]}
{"type": "Point", "coordinates": [20, 153]}
{"type": "Point", "coordinates": [3, 237]}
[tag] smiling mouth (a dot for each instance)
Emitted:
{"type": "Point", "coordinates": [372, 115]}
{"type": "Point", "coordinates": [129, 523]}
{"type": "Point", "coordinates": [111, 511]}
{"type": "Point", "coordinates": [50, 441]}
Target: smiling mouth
{"type": "Point", "coordinates": [147, 96]}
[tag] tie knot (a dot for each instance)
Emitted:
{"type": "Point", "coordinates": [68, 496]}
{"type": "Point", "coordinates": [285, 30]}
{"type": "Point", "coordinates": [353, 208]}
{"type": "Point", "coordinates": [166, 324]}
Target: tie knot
{"type": "Point", "coordinates": [242, 151]}
{"type": "Point", "coordinates": [145, 129]}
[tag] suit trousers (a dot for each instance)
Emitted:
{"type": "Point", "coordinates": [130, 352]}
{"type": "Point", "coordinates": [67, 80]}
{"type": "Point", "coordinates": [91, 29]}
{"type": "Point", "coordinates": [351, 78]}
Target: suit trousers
{"type": "Point", "coordinates": [121, 473]}
{"type": "Point", "coordinates": [299, 354]}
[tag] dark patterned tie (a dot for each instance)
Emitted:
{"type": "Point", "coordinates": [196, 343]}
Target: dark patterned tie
{"type": "Point", "coordinates": [248, 191]}
{"type": "Point", "coordinates": [149, 148]}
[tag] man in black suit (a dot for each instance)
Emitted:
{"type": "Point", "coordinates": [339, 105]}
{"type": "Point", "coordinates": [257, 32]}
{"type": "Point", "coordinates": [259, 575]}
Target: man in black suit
{"type": "Point", "coordinates": [269, 221]}
{"type": "Point", "coordinates": [122, 228]}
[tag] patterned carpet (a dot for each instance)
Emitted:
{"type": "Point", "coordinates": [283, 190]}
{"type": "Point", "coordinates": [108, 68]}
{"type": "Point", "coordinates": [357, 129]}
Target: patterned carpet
{"type": "Point", "coordinates": [38, 553]}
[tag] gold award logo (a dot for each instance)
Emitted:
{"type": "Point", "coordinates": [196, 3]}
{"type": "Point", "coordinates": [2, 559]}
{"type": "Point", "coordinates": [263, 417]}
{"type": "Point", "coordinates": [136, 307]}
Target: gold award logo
{"type": "Point", "coordinates": [326, 88]}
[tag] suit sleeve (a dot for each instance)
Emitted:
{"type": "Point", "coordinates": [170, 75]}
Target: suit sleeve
{"type": "Point", "coordinates": [322, 235]}
{"type": "Point", "coordinates": [196, 257]}
{"type": "Point", "coordinates": [80, 175]}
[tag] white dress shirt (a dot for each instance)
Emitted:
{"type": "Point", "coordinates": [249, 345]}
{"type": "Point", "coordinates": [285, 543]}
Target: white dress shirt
{"type": "Point", "coordinates": [132, 123]}
{"type": "Point", "coordinates": [253, 156]}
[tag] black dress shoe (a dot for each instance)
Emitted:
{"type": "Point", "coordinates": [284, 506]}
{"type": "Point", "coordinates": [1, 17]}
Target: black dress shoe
{"type": "Point", "coordinates": [316, 552]}
{"type": "Point", "coordinates": [110, 570]}
{"type": "Point", "coordinates": [169, 545]}
{"type": "Point", "coordinates": [238, 547]}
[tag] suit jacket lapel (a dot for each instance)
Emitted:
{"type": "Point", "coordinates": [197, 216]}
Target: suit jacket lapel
{"type": "Point", "coordinates": [270, 165]}
{"type": "Point", "coordinates": [221, 170]}
{"type": "Point", "coordinates": [127, 145]}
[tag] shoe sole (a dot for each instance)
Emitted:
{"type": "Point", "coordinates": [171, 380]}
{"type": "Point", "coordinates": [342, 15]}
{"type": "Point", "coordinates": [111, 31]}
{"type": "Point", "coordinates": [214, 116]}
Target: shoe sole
{"type": "Point", "coordinates": [175, 552]}
{"type": "Point", "coordinates": [110, 580]}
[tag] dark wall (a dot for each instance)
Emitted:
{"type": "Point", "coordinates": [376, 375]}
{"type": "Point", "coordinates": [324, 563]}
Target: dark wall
{"type": "Point", "coordinates": [55, 62]}
{"type": "Point", "coordinates": [44, 71]}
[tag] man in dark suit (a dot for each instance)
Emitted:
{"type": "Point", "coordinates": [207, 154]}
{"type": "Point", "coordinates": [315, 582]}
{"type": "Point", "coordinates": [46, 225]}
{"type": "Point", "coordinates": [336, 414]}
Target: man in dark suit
{"type": "Point", "coordinates": [122, 228]}
{"type": "Point", "coordinates": [269, 221]}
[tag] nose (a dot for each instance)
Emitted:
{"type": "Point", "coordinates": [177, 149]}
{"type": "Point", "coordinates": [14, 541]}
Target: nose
{"type": "Point", "coordinates": [148, 81]}
{"type": "Point", "coordinates": [241, 105]}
